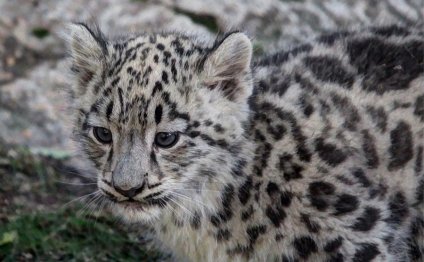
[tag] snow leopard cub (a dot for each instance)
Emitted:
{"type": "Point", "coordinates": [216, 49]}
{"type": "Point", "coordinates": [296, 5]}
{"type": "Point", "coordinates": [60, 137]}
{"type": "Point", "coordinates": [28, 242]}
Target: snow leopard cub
{"type": "Point", "coordinates": [315, 153]}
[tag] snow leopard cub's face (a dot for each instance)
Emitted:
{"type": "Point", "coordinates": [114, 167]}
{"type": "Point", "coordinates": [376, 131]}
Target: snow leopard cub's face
{"type": "Point", "coordinates": [161, 117]}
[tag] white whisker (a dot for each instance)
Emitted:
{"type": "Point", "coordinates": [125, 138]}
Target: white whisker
{"type": "Point", "coordinates": [79, 198]}
{"type": "Point", "coordinates": [74, 184]}
{"type": "Point", "coordinates": [87, 206]}
{"type": "Point", "coordinates": [188, 198]}
{"type": "Point", "coordinates": [181, 206]}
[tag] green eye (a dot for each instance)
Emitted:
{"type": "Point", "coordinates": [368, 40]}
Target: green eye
{"type": "Point", "coordinates": [102, 135]}
{"type": "Point", "coordinates": [166, 140]}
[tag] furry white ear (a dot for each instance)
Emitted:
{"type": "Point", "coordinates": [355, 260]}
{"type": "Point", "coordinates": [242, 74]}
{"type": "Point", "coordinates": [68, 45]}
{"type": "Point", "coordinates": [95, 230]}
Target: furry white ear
{"type": "Point", "coordinates": [88, 51]}
{"type": "Point", "coordinates": [228, 64]}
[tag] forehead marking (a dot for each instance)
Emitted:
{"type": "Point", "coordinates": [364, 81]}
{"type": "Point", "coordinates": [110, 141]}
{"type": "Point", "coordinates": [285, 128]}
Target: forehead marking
{"type": "Point", "coordinates": [121, 99]}
{"type": "Point", "coordinates": [164, 77]}
{"type": "Point", "coordinates": [109, 110]}
{"type": "Point", "coordinates": [158, 114]}
{"type": "Point", "coordinates": [166, 56]}
{"type": "Point", "coordinates": [157, 88]}
{"type": "Point", "coordinates": [173, 70]}
{"type": "Point", "coordinates": [160, 46]}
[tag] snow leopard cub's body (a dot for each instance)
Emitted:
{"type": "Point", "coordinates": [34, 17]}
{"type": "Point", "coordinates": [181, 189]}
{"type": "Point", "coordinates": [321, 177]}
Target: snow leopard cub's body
{"type": "Point", "coordinates": [313, 154]}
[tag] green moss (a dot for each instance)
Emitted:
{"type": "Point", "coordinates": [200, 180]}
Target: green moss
{"type": "Point", "coordinates": [258, 49]}
{"type": "Point", "coordinates": [40, 32]}
{"type": "Point", "coordinates": [41, 167]}
{"type": "Point", "coordinates": [68, 235]}
{"type": "Point", "coordinates": [207, 21]}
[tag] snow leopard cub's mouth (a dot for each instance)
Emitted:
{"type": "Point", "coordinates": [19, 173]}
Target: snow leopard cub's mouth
{"type": "Point", "coordinates": [132, 204]}
{"type": "Point", "coordinates": [157, 199]}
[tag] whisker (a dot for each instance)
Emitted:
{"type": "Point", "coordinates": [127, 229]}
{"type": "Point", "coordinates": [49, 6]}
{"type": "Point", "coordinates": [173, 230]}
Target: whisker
{"type": "Point", "coordinates": [191, 189]}
{"type": "Point", "coordinates": [181, 206]}
{"type": "Point", "coordinates": [79, 198]}
{"type": "Point", "coordinates": [189, 199]}
{"type": "Point", "coordinates": [88, 204]}
{"type": "Point", "coordinates": [91, 177]}
{"type": "Point", "coordinates": [74, 184]}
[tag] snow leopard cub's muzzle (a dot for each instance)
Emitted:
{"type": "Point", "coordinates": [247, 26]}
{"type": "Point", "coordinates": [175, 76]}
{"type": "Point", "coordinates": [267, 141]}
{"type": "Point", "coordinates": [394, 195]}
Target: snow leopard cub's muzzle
{"type": "Point", "coordinates": [130, 180]}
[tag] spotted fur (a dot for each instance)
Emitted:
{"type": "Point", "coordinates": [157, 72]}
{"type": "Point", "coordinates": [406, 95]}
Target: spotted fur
{"type": "Point", "coordinates": [310, 154]}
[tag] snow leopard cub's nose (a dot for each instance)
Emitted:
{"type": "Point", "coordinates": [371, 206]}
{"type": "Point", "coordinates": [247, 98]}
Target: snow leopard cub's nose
{"type": "Point", "coordinates": [127, 180]}
{"type": "Point", "coordinates": [129, 174]}
{"type": "Point", "coordinates": [130, 193]}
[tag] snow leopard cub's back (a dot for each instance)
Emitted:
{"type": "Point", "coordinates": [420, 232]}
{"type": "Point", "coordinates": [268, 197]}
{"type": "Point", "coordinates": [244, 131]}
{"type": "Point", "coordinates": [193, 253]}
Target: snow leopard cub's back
{"type": "Point", "coordinates": [315, 153]}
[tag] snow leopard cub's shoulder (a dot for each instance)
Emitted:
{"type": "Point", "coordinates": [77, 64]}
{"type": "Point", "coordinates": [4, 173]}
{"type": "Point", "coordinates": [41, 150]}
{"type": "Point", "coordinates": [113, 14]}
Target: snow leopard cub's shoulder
{"type": "Point", "coordinates": [311, 154]}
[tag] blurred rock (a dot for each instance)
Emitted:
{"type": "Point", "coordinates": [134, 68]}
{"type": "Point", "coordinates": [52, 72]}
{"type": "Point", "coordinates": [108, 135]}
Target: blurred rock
{"type": "Point", "coordinates": [32, 107]}
{"type": "Point", "coordinates": [276, 24]}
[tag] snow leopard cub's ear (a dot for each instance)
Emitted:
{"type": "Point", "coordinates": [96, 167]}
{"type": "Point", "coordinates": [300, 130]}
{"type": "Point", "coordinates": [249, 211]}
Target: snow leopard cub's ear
{"type": "Point", "coordinates": [227, 66]}
{"type": "Point", "coordinates": [88, 49]}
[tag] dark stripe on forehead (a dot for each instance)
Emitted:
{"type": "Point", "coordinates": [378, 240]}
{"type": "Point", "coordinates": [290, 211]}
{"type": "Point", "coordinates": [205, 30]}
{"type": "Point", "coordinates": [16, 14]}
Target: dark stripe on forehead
{"type": "Point", "coordinates": [158, 114]}
{"type": "Point", "coordinates": [109, 110]}
{"type": "Point", "coordinates": [157, 88]}
{"type": "Point", "coordinates": [121, 99]}
{"type": "Point", "coordinates": [164, 77]}
{"type": "Point", "coordinates": [95, 107]}
{"type": "Point", "coordinates": [115, 81]}
{"type": "Point", "coordinates": [173, 112]}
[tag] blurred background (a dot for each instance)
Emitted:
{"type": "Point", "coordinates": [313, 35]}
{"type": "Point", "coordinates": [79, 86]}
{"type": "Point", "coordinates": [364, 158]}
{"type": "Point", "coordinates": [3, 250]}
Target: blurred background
{"type": "Point", "coordinates": [46, 212]}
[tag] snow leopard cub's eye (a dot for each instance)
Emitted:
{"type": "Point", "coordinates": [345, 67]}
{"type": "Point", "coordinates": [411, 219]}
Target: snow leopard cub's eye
{"type": "Point", "coordinates": [166, 140]}
{"type": "Point", "coordinates": [103, 135]}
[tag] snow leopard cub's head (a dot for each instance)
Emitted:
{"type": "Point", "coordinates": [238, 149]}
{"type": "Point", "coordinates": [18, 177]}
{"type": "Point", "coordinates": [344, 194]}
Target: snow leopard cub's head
{"type": "Point", "coordinates": [162, 117]}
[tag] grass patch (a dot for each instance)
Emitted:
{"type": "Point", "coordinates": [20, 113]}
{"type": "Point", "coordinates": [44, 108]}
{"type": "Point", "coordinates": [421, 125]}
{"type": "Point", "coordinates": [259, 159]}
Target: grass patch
{"type": "Point", "coordinates": [40, 170]}
{"type": "Point", "coordinates": [66, 235]}
{"type": "Point", "coordinates": [40, 32]}
{"type": "Point", "coordinates": [258, 49]}
{"type": "Point", "coordinates": [207, 21]}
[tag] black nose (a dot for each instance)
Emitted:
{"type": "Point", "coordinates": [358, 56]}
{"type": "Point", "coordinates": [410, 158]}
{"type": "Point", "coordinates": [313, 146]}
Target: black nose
{"type": "Point", "coordinates": [130, 192]}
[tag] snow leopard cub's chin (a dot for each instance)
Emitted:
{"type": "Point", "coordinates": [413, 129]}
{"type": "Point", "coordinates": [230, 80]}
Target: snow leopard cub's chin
{"type": "Point", "coordinates": [162, 118]}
